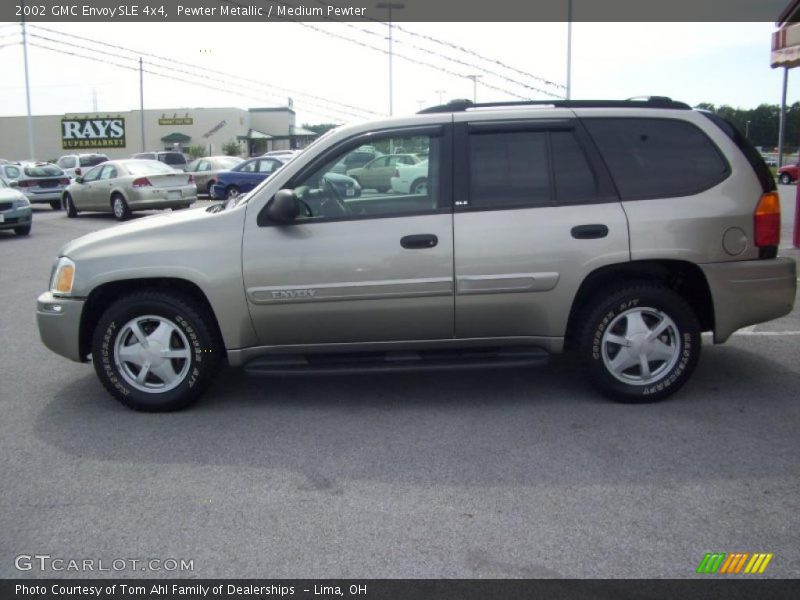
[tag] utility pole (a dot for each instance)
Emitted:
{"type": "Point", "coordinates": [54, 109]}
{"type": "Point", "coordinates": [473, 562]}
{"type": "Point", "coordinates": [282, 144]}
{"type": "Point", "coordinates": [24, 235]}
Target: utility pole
{"type": "Point", "coordinates": [569, 49]}
{"type": "Point", "coordinates": [94, 100]}
{"type": "Point", "coordinates": [440, 92]}
{"type": "Point", "coordinates": [747, 130]}
{"type": "Point", "coordinates": [141, 100]}
{"type": "Point", "coordinates": [31, 149]}
{"type": "Point", "coordinates": [474, 87]}
{"type": "Point", "coordinates": [782, 124]}
{"type": "Point", "coordinates": [390, 6]}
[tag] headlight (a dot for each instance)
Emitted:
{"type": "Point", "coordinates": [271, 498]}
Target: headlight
{"type": "Point", "coordinates": [63, 276]}
{"type": "Point", "coordinates": [21, 203]}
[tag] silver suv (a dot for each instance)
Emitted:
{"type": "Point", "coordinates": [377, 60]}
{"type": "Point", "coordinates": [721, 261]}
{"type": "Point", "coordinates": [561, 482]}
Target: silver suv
{"type": "Point", "coordinates": [617, 230]}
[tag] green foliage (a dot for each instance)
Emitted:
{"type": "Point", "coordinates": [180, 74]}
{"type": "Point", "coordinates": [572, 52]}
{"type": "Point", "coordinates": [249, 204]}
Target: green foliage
{"type": "Point", "coordinates": [231, 148]}
{"type": "Point", "coordinates": [764, 122]}
{"type": "Point", "coordinates": [196, 151]}
{"type": "Point", "coordinates": [320, 128]}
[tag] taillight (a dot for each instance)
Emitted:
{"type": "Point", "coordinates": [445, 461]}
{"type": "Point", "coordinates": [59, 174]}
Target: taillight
{"type": "Point", "coordinates": [767, 220]}
{"type": "Point", "coordinates": [26, 183]}
{"type": "Point", "coordinates": [64, 181]}
{"type": "Point", "coordinates": [191, 178]}
{"type": "Point", "coordinates": [141, 182]}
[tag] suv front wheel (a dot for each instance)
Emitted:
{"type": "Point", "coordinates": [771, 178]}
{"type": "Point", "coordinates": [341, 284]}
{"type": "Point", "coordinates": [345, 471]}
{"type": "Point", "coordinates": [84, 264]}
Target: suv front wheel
{"type": "Point", "coordinates": [155, 351]}
{"type": "Point", "coordinates": [640, 342]}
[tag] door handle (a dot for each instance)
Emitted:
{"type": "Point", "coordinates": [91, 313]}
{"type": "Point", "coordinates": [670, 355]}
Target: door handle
{"type": "Point", "coordinates": [419, 242]}
{"type": "Point", "coordinates": [589, 232]}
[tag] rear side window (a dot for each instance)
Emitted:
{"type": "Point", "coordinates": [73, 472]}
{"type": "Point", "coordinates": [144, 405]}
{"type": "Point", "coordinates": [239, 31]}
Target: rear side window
{"type": "Point", "coordinates": [657, 158]}
{"type": "Point", "coordinates": [172, 158]}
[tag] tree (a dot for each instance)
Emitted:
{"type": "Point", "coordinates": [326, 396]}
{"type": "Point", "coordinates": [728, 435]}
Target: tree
{"type": "Point", "coordinates": [196, 151]}
{"type": "Point", "coordinates": [320, 128]}
{"type": "Point", "coordinates": [231, 148]}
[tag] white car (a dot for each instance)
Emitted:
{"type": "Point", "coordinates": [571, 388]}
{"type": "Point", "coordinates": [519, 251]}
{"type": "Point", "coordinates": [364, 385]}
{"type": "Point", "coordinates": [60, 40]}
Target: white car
{"type": "Point", "coordinates": [75, 164]}
{"type": "Point", "coordinates": [411, 179]}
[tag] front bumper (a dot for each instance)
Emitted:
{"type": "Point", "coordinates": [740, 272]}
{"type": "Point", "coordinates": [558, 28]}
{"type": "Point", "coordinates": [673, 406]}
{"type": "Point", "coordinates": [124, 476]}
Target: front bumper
{"type": "Point", "coordinates": [15, 217]}
{"type": "Point", "coordinates": [59, 321]}
{"type": "Point", "coordinates": [750, 292]}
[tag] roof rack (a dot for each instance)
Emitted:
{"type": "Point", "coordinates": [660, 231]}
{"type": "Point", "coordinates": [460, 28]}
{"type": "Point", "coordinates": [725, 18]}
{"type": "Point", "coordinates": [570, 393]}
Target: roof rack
{"type": "Point", "coordinates": [646, 102]}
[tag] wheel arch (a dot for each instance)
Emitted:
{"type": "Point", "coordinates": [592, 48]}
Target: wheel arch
{"type": "Point", "coordinates": [106, 294]}
{"type": "Point", "coordinates": [685, 278]}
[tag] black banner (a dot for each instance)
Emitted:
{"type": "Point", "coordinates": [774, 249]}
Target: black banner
{"type": "Point", "coordinates": [391, 589]}
{"type": "Point", "coordinates": [408, 10]}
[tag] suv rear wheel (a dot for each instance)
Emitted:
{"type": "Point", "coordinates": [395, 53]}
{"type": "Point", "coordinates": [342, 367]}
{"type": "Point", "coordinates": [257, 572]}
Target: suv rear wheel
{"type": "Point", "coordinates": [155, 351]}
{"type": "Point", "coordinates": [640, 342]}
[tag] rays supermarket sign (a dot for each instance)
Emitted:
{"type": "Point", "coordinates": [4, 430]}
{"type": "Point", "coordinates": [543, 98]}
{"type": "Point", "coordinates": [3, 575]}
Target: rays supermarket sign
{"type": "Point", "coordinates": [108, 132]}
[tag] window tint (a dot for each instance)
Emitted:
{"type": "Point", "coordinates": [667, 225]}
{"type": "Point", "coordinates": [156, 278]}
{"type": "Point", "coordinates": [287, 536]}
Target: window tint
{"type": "Point", "coordinates": [92, 174]}
{"type": "Point", "coordinates": [575, 180]}
{"type": "Point", "coordinates": [172, 158]}
{"type": "Point", "coordinates": [509, 169]}
{"type": "Point", "coordinates": [326, 193]}
{"type": "Point", "coordinates": [652, 158]}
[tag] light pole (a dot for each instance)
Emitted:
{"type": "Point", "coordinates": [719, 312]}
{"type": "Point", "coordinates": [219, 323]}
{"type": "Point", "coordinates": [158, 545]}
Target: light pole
{"type": "Point", "coordinates": [474, 87]}
{"type": "Point", "coordinates": [31, 149]}
{"type": "Point", "coordinates": [440, 92]}
{"type": "Point", "coordinates": [141, 101]}
{"type": "Point", "coordinates": [747, 130]}
{"type": "Point", "coordinates": [569, 49]}
{"type": "Point", "coordinates": [390, 6]}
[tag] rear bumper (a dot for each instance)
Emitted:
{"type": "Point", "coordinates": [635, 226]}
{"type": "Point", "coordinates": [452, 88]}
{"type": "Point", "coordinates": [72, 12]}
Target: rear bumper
{"type": "Point", "coordinates": [750, 292]}
{"type": "Point", "coordinates": [59, 321]}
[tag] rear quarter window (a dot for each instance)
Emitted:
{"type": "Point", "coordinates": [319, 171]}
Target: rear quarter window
{"type": "Point", "coordinates": [657, 158]}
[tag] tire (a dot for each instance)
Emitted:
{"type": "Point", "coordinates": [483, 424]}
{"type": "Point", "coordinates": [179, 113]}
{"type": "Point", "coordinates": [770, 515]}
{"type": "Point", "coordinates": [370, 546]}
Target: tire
{"type": "Point", "coordinates": [120, 208]}
{"type": "Point", "coordinates": [420, 186]}
{"type": "Point", "coordinates": [26, 230]}
{"type": "Point", "coordinates": [630, 314]}
{"type": "Point", "coordinates": [382, 189]}
{"type": "Point", "coordinates": [55, 204]}
{"type": "Point", "coordinates": [231, 192]}
{"type": "Point", "coordinates": [208, 188]}
{"type": "Point", "coordinates": [167, 320]}
{"type": "Point", "coordinates": [69, 206]}
{"type": "Point", "coordinates": [785, 179]}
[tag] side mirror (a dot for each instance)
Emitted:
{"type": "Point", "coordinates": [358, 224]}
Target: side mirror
{"type": "Point", "coordinates": [79, 180]}
{"type": "Point", "coordinates": [284, 207]}
{"type": "Point", "coordinates": [78, 171]}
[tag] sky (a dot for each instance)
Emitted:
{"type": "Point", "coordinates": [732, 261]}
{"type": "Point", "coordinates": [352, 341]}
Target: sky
{"type": "Point", "coordinates": [333, 77]}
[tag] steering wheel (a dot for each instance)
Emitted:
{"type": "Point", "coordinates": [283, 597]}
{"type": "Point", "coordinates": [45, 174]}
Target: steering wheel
{"type": "Point", "coordinates": [334, 197]}
{"type": "Point", "coordinates": [307, 212]}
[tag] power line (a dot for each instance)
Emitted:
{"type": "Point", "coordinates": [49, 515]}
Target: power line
{"type": "Point", "coordinates": [456, 60]}
{"type": "Point", "coordinates": [328, 109]}
{"type": "Point", "coordinates": [230, 76]}
{"type": "Point", "coordinates": [105, 61]}
{"type": "Point", "coordinates": [461, 49]}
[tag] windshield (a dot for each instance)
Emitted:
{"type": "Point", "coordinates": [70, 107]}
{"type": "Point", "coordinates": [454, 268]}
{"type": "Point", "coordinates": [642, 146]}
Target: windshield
{"type": "Point", "coordinates": [43, 171]}
{"type": "Point", "coordinates": [147, 167]}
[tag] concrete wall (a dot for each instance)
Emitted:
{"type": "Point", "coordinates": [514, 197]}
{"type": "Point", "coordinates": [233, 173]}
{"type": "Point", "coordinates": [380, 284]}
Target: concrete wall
{"type": "Point", "coordinates": [210, 126]}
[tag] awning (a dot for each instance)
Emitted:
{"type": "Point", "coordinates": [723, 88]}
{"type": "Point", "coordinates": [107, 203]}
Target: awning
{"type": "Point", "coordinates": [254, 134]}
{"type": "Point", "coordinates": [176, 137]}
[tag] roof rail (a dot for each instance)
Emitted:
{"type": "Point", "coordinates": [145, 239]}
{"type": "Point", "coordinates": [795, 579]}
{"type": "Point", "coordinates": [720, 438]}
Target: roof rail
{"type": "Point", "coordinates": [646, 102]}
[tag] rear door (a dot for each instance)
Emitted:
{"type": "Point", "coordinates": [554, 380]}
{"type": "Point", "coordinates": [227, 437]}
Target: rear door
{"type": "Point", "coordinates": [535, 212]}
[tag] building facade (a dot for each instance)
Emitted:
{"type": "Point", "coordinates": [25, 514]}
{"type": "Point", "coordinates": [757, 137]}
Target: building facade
{"type": "Point", "coordinates": [119, 134]}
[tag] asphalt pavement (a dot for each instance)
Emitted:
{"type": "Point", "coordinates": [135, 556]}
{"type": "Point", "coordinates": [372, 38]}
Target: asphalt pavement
{"type": "Point", "coordinates": [508, 473]}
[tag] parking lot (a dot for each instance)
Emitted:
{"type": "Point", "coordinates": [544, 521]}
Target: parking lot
{"type": "Point", "coordinates": [469, 474]}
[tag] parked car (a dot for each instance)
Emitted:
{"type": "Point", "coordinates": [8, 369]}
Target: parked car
{"type": "Point", "coordinates": [42, 183]}
{"type": "Point", "coordinates": [75, 164]}
{"type": "Point", "coordinates": [206, 170]}
{"type": "Point", "coordinates": [377, 173]}
{"type": "Point", "coordinates": [788, 173]}
{"type": "Point", "coordinates": [411, 179]}
{"type": "Point", "coordinates": [249, 174]}
{"type": "Point", "coordinates": [15, 210]}
{"type": "Point", "coordinates": [284, 155]}
{"type": "Point", "coordinates": [124, 186]}
{"type": "Point", "coordinates": [176, 160]}
{"type": "Point", "coordinates": [615, 230]}
{"type": "Point", "coordinates": [355, 159]}
{"type": "Point", "coordinates": [10, 171]}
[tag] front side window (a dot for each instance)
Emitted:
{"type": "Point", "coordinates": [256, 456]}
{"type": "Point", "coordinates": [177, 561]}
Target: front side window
{"type": "Point", "coordinates": [92, 174]}
{"type": "Point", "coordinates": [267, 165]}
{"type": "Point", "coordinates": [108, 172]}
{"type": "Point", "coordinates": [380, 190]}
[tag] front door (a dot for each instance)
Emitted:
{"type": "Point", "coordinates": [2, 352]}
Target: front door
{"type": "Point", "coordinates": [356, 268]}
